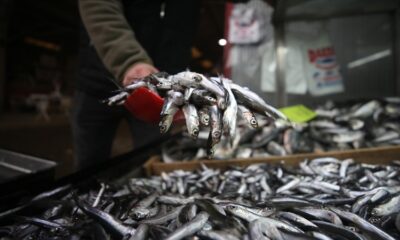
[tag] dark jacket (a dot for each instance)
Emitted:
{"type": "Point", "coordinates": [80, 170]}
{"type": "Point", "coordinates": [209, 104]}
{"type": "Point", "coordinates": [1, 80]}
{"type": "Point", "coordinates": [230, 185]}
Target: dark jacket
{"type": "Point", "coordinates": [119, 33]}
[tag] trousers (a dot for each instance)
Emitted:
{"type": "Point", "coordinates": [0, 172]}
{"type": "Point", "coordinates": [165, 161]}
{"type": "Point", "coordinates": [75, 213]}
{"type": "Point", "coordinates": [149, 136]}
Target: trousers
{"type": "Point", "coordinates": [94, 126]}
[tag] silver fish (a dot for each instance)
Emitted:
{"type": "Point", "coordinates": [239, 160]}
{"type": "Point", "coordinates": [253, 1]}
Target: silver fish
{"type": "Point", "coordinates": [189, 228]}
{"type": "Point", "coordinates": [229, 116]}
{"type": "Point", "coordinates": [253, 101]}
{"type": "Point", "coordinates": [392, 206]}
{"type": "Point", "coordinates": [191, 79]}
{"type": "Point", "coordinates": [348, 137]}
{"type": "Point", "coordinates": [204, 118]}
{"type": "Point", "coordinates": [366, 110]}
{"type": "Point", "coordinates": [192, 120]}
{"type": "Point", "coordinates": [215, 124]}
{"type": "Point", "coordinates": [248, 115]}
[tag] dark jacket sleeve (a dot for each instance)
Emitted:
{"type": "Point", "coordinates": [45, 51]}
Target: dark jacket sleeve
{"type": "Point", "coordinates": [111, 35]}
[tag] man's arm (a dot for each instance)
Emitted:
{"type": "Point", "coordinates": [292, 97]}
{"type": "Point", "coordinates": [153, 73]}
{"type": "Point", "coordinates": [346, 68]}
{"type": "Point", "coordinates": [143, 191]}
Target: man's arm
{"type": "Point", "coordinates": [114, 39]}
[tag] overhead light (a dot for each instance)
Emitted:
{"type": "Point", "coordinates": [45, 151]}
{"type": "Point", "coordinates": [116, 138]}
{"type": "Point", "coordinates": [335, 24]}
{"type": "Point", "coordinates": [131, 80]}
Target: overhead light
{"type": "Point", "coordinates": [222, 42]}
{"type": "Point", "coordinates": [370, 58]}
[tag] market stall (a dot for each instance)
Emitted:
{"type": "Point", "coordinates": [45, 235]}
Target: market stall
{"type": "Point", "coordinates": [237, 167]}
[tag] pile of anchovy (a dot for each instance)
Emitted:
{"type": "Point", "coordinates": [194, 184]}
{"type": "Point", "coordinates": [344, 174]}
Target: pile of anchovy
{"type": "Point", "coordinates": [213, 103]}
{"type": "Point", "coordinates": [336, 127]}
{"type": "Point", "coordinates": [322, 199]}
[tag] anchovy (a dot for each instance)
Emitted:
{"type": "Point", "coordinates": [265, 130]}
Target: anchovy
{"type": "Point", "coordinates": [204, 118]}
{"type": "Point", "coordinates": [140, 210]}
{"type": "Point", "coordinates": [369, 228]}
{"type": "Point", "coordinates": [380, 196]}
{"type": "Point", "coordinates": [298, 221]}
{"type": "Point", "coordinates": [344, 166]}
{"type": "Point", "coordinates": [111, 224]}
{"type": "Point", "coordinates": [392, 206]}
{"type": "Point", "coordinates": [192, 120]}
{"type": "Point", "coordinates": [188, 213]}
{"type": "Point", "coordinates": [188, 94]}
{"type": "Point", "coordinates": [262, 230]}
{"type": "Point", "coordinates": [201, 98]}
{"type": "Point", "coordinates": [189, 228]}
{"type": "Point", "coordinates": [322, 214]}
{"type": "Point", "coordinates": [230, 114]}
{"type": "Point", "coordinates": [253, 101]}
{"type": "Point", "coordinates": [136, 85]}
{"type": "Point", "coordinates": [217, 235]}
{"type": "Point", "coordinates": [164, 84]}
{"type": "Point", "coordinates": [248, 115]}
{"type": "Point", "coordinates": [338, 230]}
{"type": "Point", "coordinates": [390, 135]}
{"type": "Point", "coordinates": [243, 212]}
{"type": "Point", "coordinates": [190, 79]}
{"type": "Point", "coordinates": [177, 98]}
{"type": "Point", "coordinates": [167, 114]}
{"type": "Point", "coordinates": [141, 232]}
{"type": "Point", "coordinates": [366, 110]}
{"type": "Point", "coordinates": [118, 99]}
{"type": "Point", "coordinates": [163, 218]}
{"type": "Point", "coordinates": [215, 124]}
{"type": "Point", "coordinates": [348, 137]}
{"type": "Point", "coordinates": [174, 200]}
{"type": "Point", "coordinates": [289, 185]}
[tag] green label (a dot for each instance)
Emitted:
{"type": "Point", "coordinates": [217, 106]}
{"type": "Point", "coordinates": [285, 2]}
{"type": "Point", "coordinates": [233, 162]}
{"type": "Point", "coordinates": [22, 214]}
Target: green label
{"type": "Point", "coordinates": [298, 113]}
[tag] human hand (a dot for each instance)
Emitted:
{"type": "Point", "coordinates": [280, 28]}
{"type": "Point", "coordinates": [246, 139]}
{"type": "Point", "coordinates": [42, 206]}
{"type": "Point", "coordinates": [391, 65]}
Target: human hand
{"type": "Point", "coordinates": [138, 70]}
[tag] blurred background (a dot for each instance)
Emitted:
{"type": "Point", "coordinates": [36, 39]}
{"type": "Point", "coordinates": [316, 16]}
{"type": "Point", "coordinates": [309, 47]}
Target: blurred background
{"type": "Point", "coordinates": [288, 51]}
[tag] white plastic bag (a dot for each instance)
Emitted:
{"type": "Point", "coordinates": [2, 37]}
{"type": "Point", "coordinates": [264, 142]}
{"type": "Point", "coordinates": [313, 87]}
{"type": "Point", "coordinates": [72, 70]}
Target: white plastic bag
{"type": "Point", "coordinates": [322, 70]}
{"type": "Point", "coordinates": [310, 61]}
{"type": "Point", "coordinates": [247, 23]}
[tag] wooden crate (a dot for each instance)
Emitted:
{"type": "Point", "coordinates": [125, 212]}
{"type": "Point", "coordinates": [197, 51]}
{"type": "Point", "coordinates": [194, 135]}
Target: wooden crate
{"type": "Point", "coordinates": [381, 155]}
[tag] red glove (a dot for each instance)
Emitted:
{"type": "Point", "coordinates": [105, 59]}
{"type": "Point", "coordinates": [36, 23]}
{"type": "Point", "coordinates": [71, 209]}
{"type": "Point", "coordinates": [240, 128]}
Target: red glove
{"type": "Point", "coordinates": [143, 103]}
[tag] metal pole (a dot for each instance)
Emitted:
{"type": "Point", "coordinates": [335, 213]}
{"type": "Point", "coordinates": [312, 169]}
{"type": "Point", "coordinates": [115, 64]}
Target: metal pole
{"type": "Point", "coordinates": [280, 52]}
{"type": "Point", "coordinates": [4, 7]}
{"type": "Point", "coordinates": [280, 49]}
{"type": "Point", "coordinates": [396, 39]}
{"type": "Point", "coordinates": [3, 20]}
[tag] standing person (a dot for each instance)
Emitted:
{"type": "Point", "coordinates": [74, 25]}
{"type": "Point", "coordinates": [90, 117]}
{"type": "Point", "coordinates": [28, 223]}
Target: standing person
{"type": "Point", "coordinates": [124, 40]}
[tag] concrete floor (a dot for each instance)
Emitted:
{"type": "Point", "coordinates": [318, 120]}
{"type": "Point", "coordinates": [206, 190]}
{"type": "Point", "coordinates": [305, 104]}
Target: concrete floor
{"type": "Point", "coordinates": [52, 140]}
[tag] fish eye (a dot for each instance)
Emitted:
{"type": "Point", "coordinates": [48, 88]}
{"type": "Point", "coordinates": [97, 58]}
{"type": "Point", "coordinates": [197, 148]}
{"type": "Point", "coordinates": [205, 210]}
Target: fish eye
{"type": "Point", "coordinates": [374, 220]}
{"type": "Point", "coordinates": [216, 135]}
{"type": "Point", "coordinates": [195, 132]}
{"type": "Point", "coordinates": [197, 78]}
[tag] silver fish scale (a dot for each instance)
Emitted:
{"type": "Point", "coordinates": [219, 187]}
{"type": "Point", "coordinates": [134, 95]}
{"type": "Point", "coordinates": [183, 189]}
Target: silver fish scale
{"type": "Point", "coordinates": [193, 92]}
{"type": "Point", "coordinates": [248, 202]}
{"type": "Point", "coordinates": [260, 184]}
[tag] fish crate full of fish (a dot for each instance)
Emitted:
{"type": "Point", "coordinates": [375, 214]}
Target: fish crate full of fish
{"type": "Point", "coordinates": [336, 127]}
{"type": "Point", "coordinates": [155, 165]}
{"type": "Point", "coordinates": [322, 198]}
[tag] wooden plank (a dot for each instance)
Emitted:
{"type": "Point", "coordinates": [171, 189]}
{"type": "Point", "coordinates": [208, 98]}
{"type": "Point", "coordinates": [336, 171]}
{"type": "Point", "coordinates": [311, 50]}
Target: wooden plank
{"type": "Point", "coordinates": [381, 155]}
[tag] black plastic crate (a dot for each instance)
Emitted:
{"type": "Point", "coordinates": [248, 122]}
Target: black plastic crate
{"type": "Point", "coordinates": [22, 174]}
